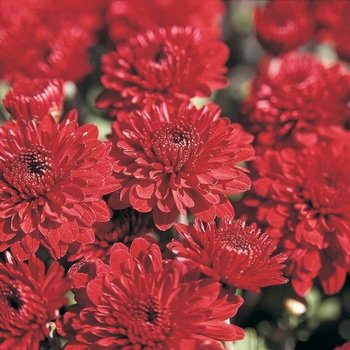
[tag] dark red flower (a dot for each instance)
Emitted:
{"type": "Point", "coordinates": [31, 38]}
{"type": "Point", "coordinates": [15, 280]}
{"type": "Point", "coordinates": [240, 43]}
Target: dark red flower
{"type": "Point", "coordinates": [232, 253]}
{"type": "Point", "coordinates": [52, 179]}
{"type": "Point", "coordinates": [176, 159]}
{"type": "Point", "coordinates": [296, 101]}
{"type": "Point", "coordinates": [35, 98]}
{"type": "Point", "coordinates": [282, 26]}
{"type": "Point", "coordinates": [161, 65]}
{"type": "Point", "coordinates": [304, 201]}
{"type": "Point", "coordinates": [124, 226]}
{"type": "Point", "coordinates": [29, 301]}
{"type": "Point", "coordinates": [139, 301]}
{"type": "Point", "coordinates": [128, 17]}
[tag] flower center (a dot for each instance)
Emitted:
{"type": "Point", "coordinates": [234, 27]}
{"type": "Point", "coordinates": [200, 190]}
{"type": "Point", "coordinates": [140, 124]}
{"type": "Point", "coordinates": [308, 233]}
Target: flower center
{"type": "Point", "coordinates": [176, 145]}
{"type": "Point", "coordinates": [31, 172]}
{"type": "Point", "coordinates": [151, 321]}
{"type": "Point", "coordinates": [11, 296]}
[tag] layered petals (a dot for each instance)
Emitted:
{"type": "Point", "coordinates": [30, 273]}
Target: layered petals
{"type": "Point", "coordinates": [175, 159]}
{"type": "Point", "coordinates": [140, 301]}
{"type": "Point", "coordinates": [235, 254]}
{"type": "Point", "coordinates": [52, 177]}
{"type": "Point", "coordinates": [161, 65]}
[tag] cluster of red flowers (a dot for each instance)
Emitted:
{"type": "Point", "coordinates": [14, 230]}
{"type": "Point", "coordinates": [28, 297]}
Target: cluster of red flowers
{"type": "Point", "coordinates": [96, 214]}
{"type": "Point", "coordinates": [298, 108]}
{"type": "Point", "coordinates": [102, 207]}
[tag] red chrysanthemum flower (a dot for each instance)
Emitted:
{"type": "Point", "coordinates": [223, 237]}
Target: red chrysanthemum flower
{"type": "Point", "coordinates": [57, 43]}
{"type": "Point", "coordinates": [29, 301]}
{"type": "Point", "coordinates": [163, 64]}
{"type": "Point", "coordinates": [232, 253]}
{"type": "Point", "coordinates": [124, 226]}
{"type": "Point", "coordinates": [304, 199]}
{"type": "Point", "coordinates": [52, 179]}
{"type": "Point", "coordinates": [175, 159]}
{"type": "Point", "coordinates": [282, 26]}
{"type": "Point", "coordinates": [35, 98]}
{"type": "Point", "coordinates": [128, 17]}
{"type": "Point", "coordinates": [296, 101]}
{"type": "Point", "coordinates": [139, 301]}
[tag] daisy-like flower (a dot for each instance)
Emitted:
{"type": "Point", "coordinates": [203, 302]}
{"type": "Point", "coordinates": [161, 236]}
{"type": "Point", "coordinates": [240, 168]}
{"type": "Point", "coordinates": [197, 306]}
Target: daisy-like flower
{"type": "Point", "coordinates": [128, 17]}
{"type": "Point", "coordinates": [139, 301]}
{"type": "Point", "coordinates": [52, 179]}
{"type": "Point", "coordinates": [174, 159]}
{"type": "Point", "coordinates": [304, 201]}
{"type": "Point", "coordinates": [161, 65]}
{"type": "Point", "coordinates": [232, 253]}
{"type": "Point", "coordinates": [30, 300]}
{"type": "Point", "coordinates": [124, 226]}
{"type": "Point", "coordinates": [282, 26]}
{"type": "Point", "coordinates": [296, 101]}
{"type": "Point", "coordinates": [35, 98]}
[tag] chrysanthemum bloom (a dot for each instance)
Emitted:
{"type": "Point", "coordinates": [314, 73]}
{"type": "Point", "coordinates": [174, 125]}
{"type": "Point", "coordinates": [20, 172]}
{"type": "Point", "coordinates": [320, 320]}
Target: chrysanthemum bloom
{"type": "Point", "coordinates": [163, 64]}
{"type": "Point", "coordinates": [139, 301]}
{"type": "Point", "coordinates": [128, 17]}
{"type": "Point", "coordinates": [52, 179]}
{"type": "Point", "coordinates": [232, 253]}
{"type": "Point", "coordinates": [282, 26]}
{"type": "Point", "coordinates": [56, 44]}
{"type": "Point", "coordinates": [29, 301]}
{"type": "Point", "coordinates": [296, 101]}
{"type": "Point", "coordinates": [124, 226]}
{"type": "Point", "coordinates": [176, 159]}
{"type": "Point", "coordinates": [305, 202]}
{"type": "Point", "coordinates": [35, 98]}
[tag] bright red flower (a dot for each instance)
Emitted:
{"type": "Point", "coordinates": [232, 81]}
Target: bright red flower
{"type": "Point", "coordinates": [232, 253]}
{"type": "Point", "coordinates": [304, 199]}
{"type": "Point", "coordinates": [282, 26]}
{"type": "Point", "coordinates": [124, 226]}
{"type": "Point", "coordinates": [29, 301]}
{"type": "Point", "coordinates": [159, 65]}
{"type": "Point", "coordinates": [34, 98]}
{"type": "Point", "coordinates": [56, 44]}
{"type": "Point", "coordinates": [296, 101]}
{"type": "Point", "coordinates": [52, 179]}
{"type": "Point", "coordinates": [128, 17]}
{"type": "Point", "coordinates": [175, 159]}
{"type": "Point", "coordinates": [139, 301]}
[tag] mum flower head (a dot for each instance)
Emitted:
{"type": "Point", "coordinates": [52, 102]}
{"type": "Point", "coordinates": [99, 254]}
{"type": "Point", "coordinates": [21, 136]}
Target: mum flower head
{"type": "Point", "coordinates": [35, 98]}
{"type": "Point", "coordinates": [232, 253]}
{"type": "Point", "coordinates": [30, 300]}
{"type": "Point", "coordinates": [297, 101]}
{"type": "Point", "coordinates": [140, 301]}
{"type": "Point", "coordinates": [128, 17]}
{"type": "Point", "coordinates": [178, 158]}
{"type": "Point", "coordinates": [282, 26]}
{"type": "Point", "coordinates": [57, 43]}
{"type": "Point", "coordinates": [52, 179]}
{"type": "Point", "coordinates": [161, 65]}
{"type": "Point", "coordinates": [303, 199]}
